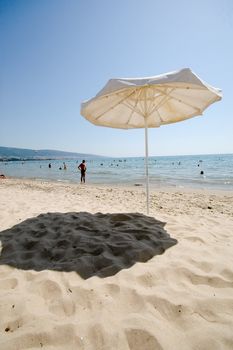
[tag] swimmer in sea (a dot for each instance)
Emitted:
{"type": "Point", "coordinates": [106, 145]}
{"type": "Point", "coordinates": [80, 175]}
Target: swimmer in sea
{"type": "Point", "coordinates": [82, 167]}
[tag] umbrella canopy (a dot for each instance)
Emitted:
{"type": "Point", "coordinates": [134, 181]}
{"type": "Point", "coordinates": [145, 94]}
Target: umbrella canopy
{"type": "Point", "coordinates": [128, 103]}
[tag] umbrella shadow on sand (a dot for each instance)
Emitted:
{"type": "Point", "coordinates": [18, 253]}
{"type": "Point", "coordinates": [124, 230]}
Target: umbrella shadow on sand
{"type": "Point", "coordinates": [89, 244]}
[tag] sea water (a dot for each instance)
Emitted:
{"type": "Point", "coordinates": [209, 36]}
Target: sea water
{"type": "Point", "coordinates": [196, 171]}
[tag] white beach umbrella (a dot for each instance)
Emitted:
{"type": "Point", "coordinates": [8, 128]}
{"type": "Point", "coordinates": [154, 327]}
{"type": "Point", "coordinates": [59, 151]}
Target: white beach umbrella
{"type": "Point", "coordinates": [128, 103]}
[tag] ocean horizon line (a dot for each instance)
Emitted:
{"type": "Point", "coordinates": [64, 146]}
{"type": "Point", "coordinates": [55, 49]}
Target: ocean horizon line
{"type": "Point", "coordinates": [90, 155]}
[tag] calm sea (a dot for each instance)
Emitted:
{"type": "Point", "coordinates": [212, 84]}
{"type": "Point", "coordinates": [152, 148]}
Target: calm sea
{"type": "Point", "coordinates": [174, 171]}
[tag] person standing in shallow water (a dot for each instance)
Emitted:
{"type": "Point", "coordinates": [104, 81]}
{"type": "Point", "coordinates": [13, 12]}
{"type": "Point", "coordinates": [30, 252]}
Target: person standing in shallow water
{"type": "Point", "coordinates": [82, 168]}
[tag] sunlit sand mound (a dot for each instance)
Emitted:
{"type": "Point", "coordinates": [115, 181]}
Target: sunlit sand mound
{"type": "Point", "coordinates": [99, 244]}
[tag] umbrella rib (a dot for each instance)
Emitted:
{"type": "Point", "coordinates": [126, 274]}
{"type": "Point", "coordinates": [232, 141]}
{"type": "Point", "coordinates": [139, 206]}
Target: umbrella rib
{"type": "Point", "coordinates": [165, 98]}
{"type": "Point", "coordinates": [177, 99]}
{"type": "Point", "coordinates": [100, 115]}
{"type": "Point", "coordinates": [152, 101]}
{"type": "Point", "coordinates": [161, 119]}
{"type": "Point", "coordinates": [134, 108]}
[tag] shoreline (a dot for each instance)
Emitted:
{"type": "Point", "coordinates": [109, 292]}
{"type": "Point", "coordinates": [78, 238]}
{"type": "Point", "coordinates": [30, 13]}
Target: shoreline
{"type": "Point", "coordinates": [137, 187]}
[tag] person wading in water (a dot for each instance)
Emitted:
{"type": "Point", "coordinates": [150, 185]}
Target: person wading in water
{"type": "Point", "coordinates": [82, 168]}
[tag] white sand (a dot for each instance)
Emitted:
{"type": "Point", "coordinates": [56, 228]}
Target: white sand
{"type": "Point", "coordinates": [54, 289]}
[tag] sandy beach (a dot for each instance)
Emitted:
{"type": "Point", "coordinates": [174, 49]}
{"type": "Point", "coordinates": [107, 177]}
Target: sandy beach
{"type": "Point", "coordinates": [83, 267]}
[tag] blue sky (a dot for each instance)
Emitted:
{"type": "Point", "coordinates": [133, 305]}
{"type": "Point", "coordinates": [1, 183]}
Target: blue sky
{"type": "Point", "coordinates": [56, 53]}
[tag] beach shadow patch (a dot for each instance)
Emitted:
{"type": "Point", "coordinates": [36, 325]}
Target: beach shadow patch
{"type": "Point", "coordinates": [90, 244]}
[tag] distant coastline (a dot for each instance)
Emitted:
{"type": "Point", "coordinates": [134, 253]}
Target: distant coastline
{"type": "Point", "coordinates": [14, 159]}
{"type": "Point", "coordinates": [24, 154]}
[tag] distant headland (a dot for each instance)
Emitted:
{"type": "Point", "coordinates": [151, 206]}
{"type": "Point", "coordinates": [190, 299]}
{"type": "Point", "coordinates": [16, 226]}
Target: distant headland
{"type": "Point", "coordinates": [24, 154]}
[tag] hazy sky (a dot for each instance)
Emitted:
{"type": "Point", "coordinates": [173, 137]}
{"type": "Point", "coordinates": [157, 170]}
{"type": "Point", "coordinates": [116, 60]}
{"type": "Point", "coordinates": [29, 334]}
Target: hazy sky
{"type": "Point", "coordinates": [56, 53]}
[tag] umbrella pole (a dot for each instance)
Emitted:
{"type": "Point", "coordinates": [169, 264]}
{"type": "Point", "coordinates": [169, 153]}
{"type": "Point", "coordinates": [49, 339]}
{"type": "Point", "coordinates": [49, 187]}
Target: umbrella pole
{"type": "Point", "coordinates": [146, 164]}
